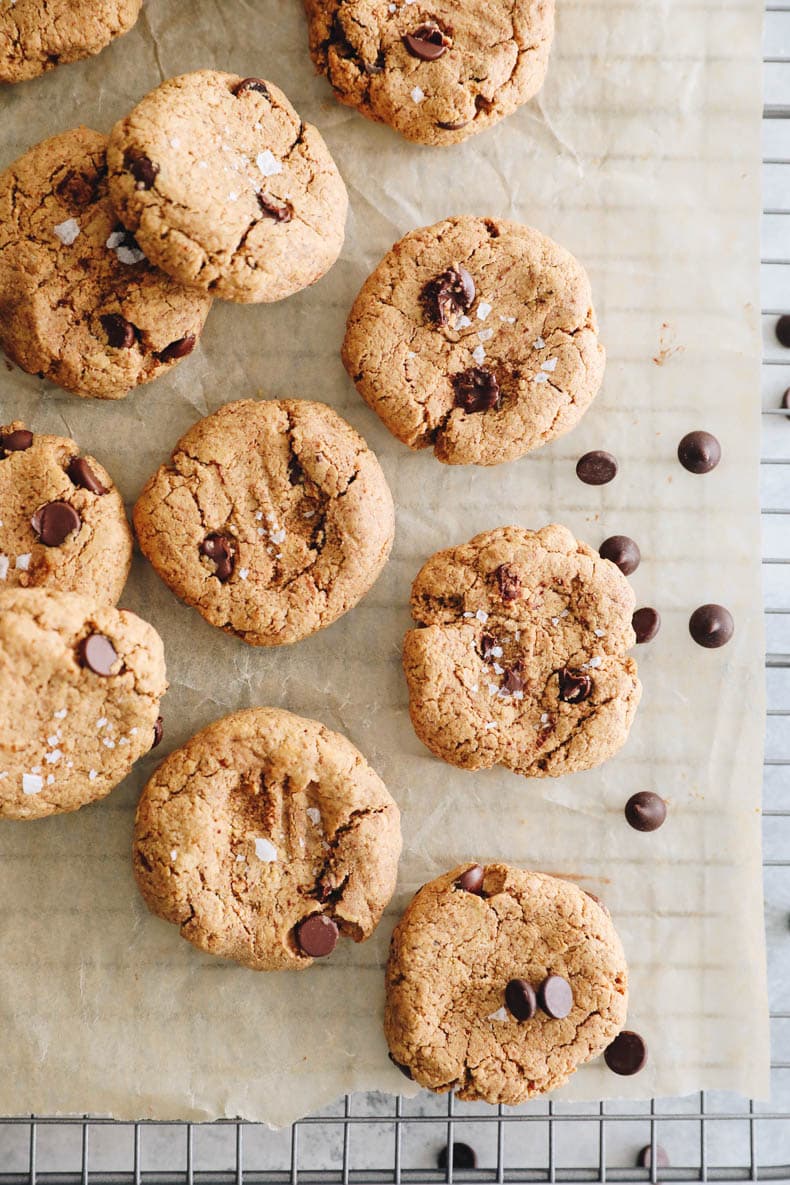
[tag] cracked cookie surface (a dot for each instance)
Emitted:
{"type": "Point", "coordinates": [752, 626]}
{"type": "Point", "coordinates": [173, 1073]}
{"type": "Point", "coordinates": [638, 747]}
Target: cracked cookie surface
{"type": "Point", "coordinates": [272, 518]}
{"type": "Point", "coordinates": [226, 189]}
{"type": "Point", "coordinates": [80, 686]}
{"type": "Point", "coordinates": [63, 521]}
{"type": "Point", "coordinates": [476, 337]}
{"type": "Point", "coordinates": [260, 822]}
{"type": "Point", "coordinates": [454, 953]}
{"type": "Point", "coordinates": [520, 655]}
{"type": "Point", "coordinates": [37, 35]}
{"type": "Point", "coordinates": [436, 72]}
{"type": "Point", "coordinates": [80, 305]}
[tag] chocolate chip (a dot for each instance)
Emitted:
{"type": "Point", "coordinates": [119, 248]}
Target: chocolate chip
{"type": "Point", "coordinates": [121, 334]}
{"type": "Point", "coordinates": [646, 624]}
{"type": "Point", "coordinates": [142, 169]}
{"type": "Point", "coordinates": [251, 84]}
{"type": "Point", "coordinates": [158, 732]}
{"type": "Point", "coordinates": [520, 999]}
{"type": "Point", "coordinates": [597, 468]}
{"type": "Point", "coordinates": [711, 626]}
{"type": "Point", "coordinates": [317, 936]}
{"type": "Point", "coordinates": [54, 522]}
{"type": "Point", "coordinates": [77, 188]}
{"type": "Point", "coordinates": [18, 441]}
{"type": "Point", "coordinates": [514, 679]}
{"type": "Point", "coordinates": [279, 211]}
{"type": "Point", "coordinates": [575, 686]}
{"type": "Point", "coordinates": [555, 997]}
{"type": "Point", "coordinates": [621, 551]}
{"type": "Point", "coordinates": [464, 1156]}
{"type": "Point", "coordinates": [488, 644]}
{"type": "Point", "coordinates": [699, 452]}
{"type": "Point", "coordinates": [403, 1069]}
{"type": "Point", "coordinates": [645, 811]}
{"type": "Point", "coordinates": [178, 349]}
{"type": "Point", "coordinates": [219, 548]}
{"type": "Point", "coordinates": [453, 127]}
{"type": "Point", "coordinates": [98, 654]}
{"type": "Point", "coordinates": [428, 42]}
{"type": "Point", "coordinates": [476, 389]}
{"type": "Point", "coordinates": [627, 1054]}
{"type": "Point", "coordinates": [471, 881]}
{"type": "Point", "coordinates": [783, 331]}
{"type": "Point", "coordinates": [509, 582]}
{"type": "Point", "coordinates": [644, 1158]}
{"type": "Point", "coordinates": [448, 295]}
{"type": "Point", "coordinates": [83, 476]}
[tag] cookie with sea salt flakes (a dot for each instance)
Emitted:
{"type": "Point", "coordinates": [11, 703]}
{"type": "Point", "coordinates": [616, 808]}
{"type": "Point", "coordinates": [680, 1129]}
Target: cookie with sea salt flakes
{"type": "Point", "coordinates": [80, 304]}
{"type": "Point", "coordinates": [476, 337]}
{"type": "Point", "coordinates": [501, 982]}
{"type": "Point", "coordinates": [271, 518]}
{"type": "Point", "coordinates": [63, 523]}
{"type": "Point", "coordinates": [437, 73]}
{"type": "Point", "coordinates": [37, 35]}
{"type": "Point", "coordinates": [226, 188]}
{"type": "Point", "coordinates": [266, 838]}
{"type": "Point", "coordinates": [520, 655]}
{"type": "Point", "coordinates": [80, 685]}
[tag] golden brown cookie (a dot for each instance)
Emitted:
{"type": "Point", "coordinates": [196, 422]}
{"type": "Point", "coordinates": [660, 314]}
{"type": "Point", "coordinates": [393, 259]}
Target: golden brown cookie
{"type": "Point", "coordinates": [436, 72]}
{"type": "Point", "coordinates": [80, 304]}
{"type": "Point", "coordinates": [266, 838]}
{"type": "Point", "coordinates": [520, 655]}
{"type": "Point", "coordinates": [501, 982]}
{"type": "Point", "coordinates": [80, 686]}
{"type": "Point", "coordinates": [37, 35]}
{"type": "Point", "coordinates": [63, 523]}
{"type": "Point", "coordinates": [272, 519]}
{"type": "Point", "coordinates": [226, 188]}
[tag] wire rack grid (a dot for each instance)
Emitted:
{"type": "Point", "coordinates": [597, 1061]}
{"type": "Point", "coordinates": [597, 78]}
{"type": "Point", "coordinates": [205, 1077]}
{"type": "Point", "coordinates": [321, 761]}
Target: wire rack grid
{"type": "Point", "coordinates": [373, 1140]}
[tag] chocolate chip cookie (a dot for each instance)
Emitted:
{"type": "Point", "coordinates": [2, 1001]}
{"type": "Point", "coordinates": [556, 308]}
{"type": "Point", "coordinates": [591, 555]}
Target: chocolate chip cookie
{"type": "Point", "coordinates": [226, 189]}
{"type": "Point", "coordinates": [501, 982]}
{"type": "Point", "coordinates": [63, 522]}
{"type": "Point", "coordinates": [37, 35]}
{"type": "Point", "coordinates": [436, 72]}
{"type": "Point", "coordinates": [266, 838]}
{"type": "Point", "coordinates": [79, 302]}
{"type": "Point", "coordinates": [520, 655]}
{"type": "Point", "coordinates": [80, 686]}
{"type": "Point", "coordinates": [272, 519]}
{"type": "Point", "coordinates": [476, 337]}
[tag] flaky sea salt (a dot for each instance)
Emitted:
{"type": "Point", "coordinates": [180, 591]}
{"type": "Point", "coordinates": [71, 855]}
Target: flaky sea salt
{"type": "Point", "coordinates": [268, 163]}
{"type": "Point", "coordinates": [3, 566]}
{"type": "Point", "coordinates": [549, 365]}
{"type": "Point", "coordinates": [23, 562]}
{"type": "Point", "coordinates": [418, 94]}
{"type": "Point", "coordinates": [483, 310]}
{"type": "Point", "coordinates": [481, 615]}
{"type": "Point", "coordinates": [265, 851]}
{"type": "Point", "coordinates": [500, 1014]}
{"type": "Point", "coordinates": [538, 344]}
{"type": "Point", "coordinates": [32, 784]}
{"type": "Point", "coordinates": [479, 355]}
{"type": "Point", "coordinates": [68, 232]}
{"type": "Point", "coordinates": [313, 814]}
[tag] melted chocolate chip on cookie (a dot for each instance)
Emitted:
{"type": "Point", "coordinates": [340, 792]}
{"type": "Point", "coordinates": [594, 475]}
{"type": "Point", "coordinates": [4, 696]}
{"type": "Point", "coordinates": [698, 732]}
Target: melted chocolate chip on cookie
{"type": "Point", "coordinates": [575, 686]}
{"type": "Point", "coordinates": [449, 295]}
{"type": "Point", "coordinates": [428, 42]}
{"type": "Point", "coordinates": [476, 390]}
{"type": "Point", "coordinates": [219, 548]}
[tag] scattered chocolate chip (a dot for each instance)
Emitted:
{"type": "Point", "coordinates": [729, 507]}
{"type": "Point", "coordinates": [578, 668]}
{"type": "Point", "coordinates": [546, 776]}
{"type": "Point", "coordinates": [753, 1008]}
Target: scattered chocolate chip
{"type": "Point", "coordinates": [621, 551]}
{"type": "Point", "coordinates": [627, 1054]}
{"type": "Point", "coordinates": [158, 732]}
{"type": "Point", "coordinates": [509, 582]}
{"type": "Point", "coordinates": [428, 42]}
{"type": "Point", "coordinates": [575, 686]}
{"type": "Point", "coordinates": [54, 522]}
{"type": "Point", "coordinates": [699, 452]}
{"type": "Point", "coordinates": [514, 679]}
{"type": "Point", "coordinates": [77, 188]}
{"type": "Point", "coordinates": [98, 654]}
{"type": "Point", "coordinates": [295, 471]}
{"type": "Point", "coordinates": [644, 1158]}
{"type": "Point", "coordinates": [453, 127]}
{"type": "Point", "coordinates": [272, 208]}
{"type": "Point", "coordinates": [488, 644]}
{"type": "Point", "coordinates": [645, 811]}
{"type": "Point", "coordinates": [555, 997]}
{"type": "Point", "coordinates": [251, 84]}
{"type": "Point", "coordinates": [178, 349]}
{"type": "Point", "coordinates": [142, 169]}
{"type": "Point", "coordinates": [646, 623]}
{"type": "Point", "coordinates": [317, 936]}
{"type": "Point", "coordinates": [476, 389]}
{"type": "Point", "coordinates": [83, 476]}
{"type": "Point", "coordinates": [783, 331]}
{"type": "Point", "coordinates": [121, 334]}
{"type": "Point", "coordinates": [403, 1069]}
{"type": "Point", "coordinates": [597, 468]}
{"type": "Point", "coordinates": [448, 295]}
{"type": "Point", "coordinates": [711, 626]}
{"type": "Point", "coordinates": [18, 441]}
{"type": "Point", "coordinates": [219, 548]}
{"type": "Point", "coordinates": [520, 999]}
{"type": "Point", "coordinates": [464, 1156]}
{"type": "Point", "coordinates": [471, 881]}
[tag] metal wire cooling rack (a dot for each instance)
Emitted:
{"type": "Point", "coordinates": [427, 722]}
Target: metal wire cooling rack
{"type": "Point", "coordinates": [374, 1140]}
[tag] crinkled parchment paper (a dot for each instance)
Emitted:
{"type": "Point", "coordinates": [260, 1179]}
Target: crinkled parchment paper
{"type": "Point", "coordinates": [641, 156]}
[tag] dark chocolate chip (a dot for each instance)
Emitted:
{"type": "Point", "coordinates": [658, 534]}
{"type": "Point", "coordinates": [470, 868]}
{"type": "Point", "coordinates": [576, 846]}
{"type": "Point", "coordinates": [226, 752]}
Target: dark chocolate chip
{"type": "Point", "coordinates": [488, 644]}
{"type": "Point", "coordinates": [295, 471]}
{"type": "Point", "coordinates": [158, 732]}
{"type": "Point", "coordinates": [646, 623]}
{"type": "Point", "coordinates": [621, 551]}
{"type": "Point", "coordinates": [83, 476]}
{"type": "Point", "coordinates": [597, 468]}
{"type": "Point", "coordinates": [272, 208]}
{"type": "Point", "coordinates": [54, 522]}
{"type": "Point", "coordinates": [428, 42]}
{"type": "Point", "coordinates": [783, 331]}
{"type": "Point", "coordinates": [18, 441]}
{"type": "Point", "coordinates": [644, 1157]}
{"type": "Point", "coordinates": [699, 452]}
{"type": "Point", "coordinates": [509, 582]}
{"type": "Point", "coordinates": [403, 1069]}
{"type": "Point", "coordinates": [219, 548]}
{"type": "Point", "coordinates": [178, 349]}
{"type": "Point", "coordinates": [627, 1054]}
{"type": "Point", "coordinates": [555, 997]}
{"type": "Point", "coordinates": [476, 389]}
{"type": "Point", "coordinates": [142, 169]}
{"type": "Point", "coordinates": [251, 84]}
{"type": "Point", "coordinates": [645, 811]}
{"type": "Point", "coordinates": [98, 654]}
{"type": "Point", "coordinates": [514, 679]}
{"type": "Point", "coordinates": [77, 188]}
{"type": "Point", "coordinates": [575, 686]}
{"type": "Point", "coordinates": [520, 999]}
{"type": "Point", "coordinates": [121, 334]}
{"type": "Point", "coordinates": [711, 626]}
{"type": "Point", "coordinates": [464, 1157]}
{"type": "Point", "coordinates": [317, 936]}
{"type": "Point", "coordinates": [453, 127]}
{"type": "Point", "coordinates": [471, 881]}
{"type": "Point", "coordinates": [448, 295]}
